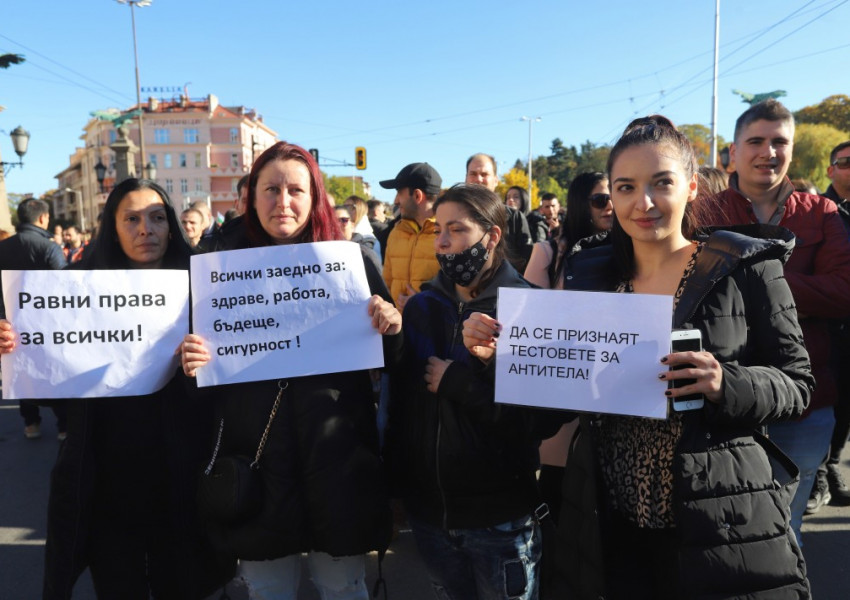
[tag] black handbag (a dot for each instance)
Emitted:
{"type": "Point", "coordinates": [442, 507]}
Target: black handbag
{"type": "Point", "coordinates": [230, 488]}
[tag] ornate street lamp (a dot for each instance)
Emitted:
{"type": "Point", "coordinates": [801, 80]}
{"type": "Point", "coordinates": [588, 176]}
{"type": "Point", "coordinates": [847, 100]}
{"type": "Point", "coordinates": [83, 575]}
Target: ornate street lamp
{"type": "Point", "coordinates": [20, 141]}
{"type": "Point", "coordinates": [100, 173]}
{"type": "Point", "coordinates": [150, 171]}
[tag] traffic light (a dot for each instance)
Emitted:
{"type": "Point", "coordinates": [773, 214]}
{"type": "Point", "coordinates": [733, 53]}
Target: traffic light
{"type": "Point", "coordinates": [315, 153]}
{"type": "Point", "coordinates": [360, 157]}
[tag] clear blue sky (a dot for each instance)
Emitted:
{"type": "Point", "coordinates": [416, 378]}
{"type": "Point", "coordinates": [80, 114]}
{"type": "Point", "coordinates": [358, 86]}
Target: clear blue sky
{"type": "Point", "coordinates": [430, 81]}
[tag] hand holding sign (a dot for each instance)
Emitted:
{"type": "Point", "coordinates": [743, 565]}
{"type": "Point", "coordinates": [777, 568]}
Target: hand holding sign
{"type": "Point", "coordinates": [479, 336]}
{"type": "Point", "coordinates": [7, 337]}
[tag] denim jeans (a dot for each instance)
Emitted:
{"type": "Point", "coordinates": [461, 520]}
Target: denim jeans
{"type": "Point", "coordinates": [492, 563]}
{"type": "Point", "coordinates": [805, 442]}
{"type": "Point", "coordinates": [340, 578]}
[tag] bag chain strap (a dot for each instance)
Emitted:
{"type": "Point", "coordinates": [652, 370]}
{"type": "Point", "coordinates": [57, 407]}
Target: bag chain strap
{"type": "Point", "coordinates": [256, 464]}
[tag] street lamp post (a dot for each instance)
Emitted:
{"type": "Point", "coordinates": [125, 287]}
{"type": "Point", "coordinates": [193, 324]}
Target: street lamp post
{"type": "Point", "coordinates": [100, 173]}
{"type": "Point", "coordinates": [530, 121]}
{"type": "Point", "coordinates": [140, 4]}
{"type": "Point", "coordinates": [20, 142]}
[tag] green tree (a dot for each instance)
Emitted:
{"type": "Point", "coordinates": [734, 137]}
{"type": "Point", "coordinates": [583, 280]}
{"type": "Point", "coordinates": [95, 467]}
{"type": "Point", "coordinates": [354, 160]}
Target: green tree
{"type": "Point", "coordinates": [812, 144]}
{"type": "Point", "coordinates": [700, 138]}
{"type": "Point", "coordinates": [833, 110]}
{"type": "Point", "coordinates": [340, 187]}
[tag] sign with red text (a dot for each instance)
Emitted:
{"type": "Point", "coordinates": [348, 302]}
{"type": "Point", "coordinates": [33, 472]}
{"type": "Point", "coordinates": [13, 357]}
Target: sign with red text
{"type": "Point", "coordinates": [586, 351]}
{"type": "Point", "coordinates": [283, 311]}
{"type": "Point", "coordinates": [92, 334]}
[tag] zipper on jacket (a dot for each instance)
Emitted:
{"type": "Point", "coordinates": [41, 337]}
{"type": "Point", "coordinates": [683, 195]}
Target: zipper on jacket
{"type": "Point", "coordinates": [460, 308]}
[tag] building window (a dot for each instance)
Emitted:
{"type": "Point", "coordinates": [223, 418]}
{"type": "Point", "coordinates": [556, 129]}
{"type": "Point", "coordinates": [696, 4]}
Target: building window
{"type": "Point", "coordinates": [197, 159]}
{"type": "Point", "coordinates": [160, 136]}
{"type": "Point", "coordinates": [199, 184]}
{"type": "Point", "coordinates": [169, 186]}
{"type": "Point", "coordinates": [112, 136]}
{"type": "Point", "coordinates": [234, 135]}
{"type": "Point", "coordinates": [166, 160]}
{"type": "Point", "coordinates": [184, 186]}
{"type": "Point", "coordinates": [234, 160]}
{"type": "Point", "coordinates": [152, 159]}
{"type": "Point", "coordinates": [183, 159]}
{"type": "Point", "coordinates": [190, 136]}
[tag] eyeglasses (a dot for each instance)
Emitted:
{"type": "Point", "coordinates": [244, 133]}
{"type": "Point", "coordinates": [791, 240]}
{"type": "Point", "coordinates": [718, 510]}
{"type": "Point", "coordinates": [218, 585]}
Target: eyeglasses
{"type": "Point", "coordinates": [842, 163]}
{"type": "Point", "coordinates": [344, 220]}
{"type": "Point", "coordinates": [600, 200]}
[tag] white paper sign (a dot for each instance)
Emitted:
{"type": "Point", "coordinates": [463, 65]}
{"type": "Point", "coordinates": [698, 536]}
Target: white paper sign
{"type": "Point", "coordinates": [92, 334]}
{"type": "Point", "coordinates": [283, 311]}
{"type": "Point", "coordinates": [586, 351]}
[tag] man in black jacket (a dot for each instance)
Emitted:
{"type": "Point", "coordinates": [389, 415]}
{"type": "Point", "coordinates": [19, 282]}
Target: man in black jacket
{"type": "Point", "coordinates": [32, 248]}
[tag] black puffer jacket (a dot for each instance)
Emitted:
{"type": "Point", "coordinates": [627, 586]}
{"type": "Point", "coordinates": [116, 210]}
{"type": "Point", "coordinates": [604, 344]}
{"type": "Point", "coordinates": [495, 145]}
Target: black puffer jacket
{"type": "Point", "coordinates": [323, 478]}
{"type": "Point", "coordinates": [459, 460]}
{"type": "Point", "coordinates": [731, 486]}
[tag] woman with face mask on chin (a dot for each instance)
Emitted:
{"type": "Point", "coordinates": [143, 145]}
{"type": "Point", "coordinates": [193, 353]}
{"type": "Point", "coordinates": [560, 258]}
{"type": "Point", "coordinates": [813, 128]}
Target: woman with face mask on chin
{"type": "Point", "coordinates": [122, 490]}
{"type": "Point", "coordinates": [463, 464]}
{"type": "Point", "coordinates": [324, 486]}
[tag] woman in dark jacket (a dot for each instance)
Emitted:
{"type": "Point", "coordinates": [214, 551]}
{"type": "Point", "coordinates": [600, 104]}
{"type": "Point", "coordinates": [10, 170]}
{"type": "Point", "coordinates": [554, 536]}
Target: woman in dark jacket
{"type": "Point", "coordinates": [464, 465]}
{"type": "Point", "coordinates": [122, 493]}
{"type": "Point", "coordinates": [323, 484]}
{"type": "Point", "coordinates": [697, 505]}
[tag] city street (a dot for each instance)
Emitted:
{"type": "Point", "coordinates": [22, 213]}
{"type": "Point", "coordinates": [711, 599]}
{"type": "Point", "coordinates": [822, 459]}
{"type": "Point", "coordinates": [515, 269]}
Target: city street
{"type": "Point", "coordinates": [25, 469]}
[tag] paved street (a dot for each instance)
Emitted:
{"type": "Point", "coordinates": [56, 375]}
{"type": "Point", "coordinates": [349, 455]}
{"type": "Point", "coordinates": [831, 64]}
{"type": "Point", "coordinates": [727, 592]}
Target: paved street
{"type": "Point", "coordinates": [25, 468]}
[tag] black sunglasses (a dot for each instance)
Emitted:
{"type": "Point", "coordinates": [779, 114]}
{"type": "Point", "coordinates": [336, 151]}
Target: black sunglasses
{"type": "Point", "coordinates": [842, 163]}
{"type": "Point", "coordinates": [600, 200]}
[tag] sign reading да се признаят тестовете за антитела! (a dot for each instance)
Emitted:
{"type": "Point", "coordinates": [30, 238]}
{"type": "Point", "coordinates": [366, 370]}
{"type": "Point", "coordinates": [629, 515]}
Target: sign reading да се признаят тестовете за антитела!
{"type": "Point", "coordinates": [587, 351]}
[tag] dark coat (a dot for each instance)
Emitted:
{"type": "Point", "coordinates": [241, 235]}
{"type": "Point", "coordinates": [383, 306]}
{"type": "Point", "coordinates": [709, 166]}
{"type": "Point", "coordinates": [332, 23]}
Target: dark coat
{"type": "Point", "coordinates": [732, 487]}
{"type": "Point", "coordinates": [32, 248]}
{"type": "Point", "coordinates": [324, 485]}
{"type": "Point", "coordinates": [133, 461]}
{"type": "Point", "coordinates": [458, 459]}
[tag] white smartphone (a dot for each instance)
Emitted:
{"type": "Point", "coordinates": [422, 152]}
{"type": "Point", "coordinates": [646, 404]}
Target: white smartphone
{"type": "Point", "coordinates": [685, 340]}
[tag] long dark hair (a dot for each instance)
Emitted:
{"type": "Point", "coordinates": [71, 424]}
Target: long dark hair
{"type": "Point", "coordinates": [657, 130]}
{"type": "Point", "coordinates": [487, 209]}
{"type": "Point", "coordinates": [524, 204]}
{"type": "Point", "coordinates": [321, 224]}
{"type": "Point", "coordinates": [106, 252]}
{"type": "Point", "coordinates": [578, 224]}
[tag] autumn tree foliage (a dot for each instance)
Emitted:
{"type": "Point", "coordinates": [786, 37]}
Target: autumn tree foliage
{"type": "Point", "coordinates": [812, 145]}
{"type": "Point", "coordinates": [833, 110]}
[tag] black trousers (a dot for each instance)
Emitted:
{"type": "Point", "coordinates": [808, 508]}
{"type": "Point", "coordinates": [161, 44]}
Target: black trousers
{"type": "Point", "coordinates": [30, 412]}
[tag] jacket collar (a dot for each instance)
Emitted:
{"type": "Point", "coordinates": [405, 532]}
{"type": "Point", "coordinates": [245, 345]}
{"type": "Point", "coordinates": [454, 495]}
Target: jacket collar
{"type": "Point", "coordinates": [725, 249]}
{"type": "Point", "coordinates": [34, 229]}
{"type": "Point", "coordinates": [785, 192]}
{"type": "Point", "coordinates": [506, 276]}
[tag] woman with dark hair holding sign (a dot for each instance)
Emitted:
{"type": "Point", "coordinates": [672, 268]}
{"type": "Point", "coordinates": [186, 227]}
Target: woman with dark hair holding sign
{"type": "Point", "coordinates": [122, 490]}
{"type": "Point", "coordinates": [463, 464]}
{"type": "Point", "coordinates": [695, 505]}
{"type": "Point", "coordinates": [323, 486]}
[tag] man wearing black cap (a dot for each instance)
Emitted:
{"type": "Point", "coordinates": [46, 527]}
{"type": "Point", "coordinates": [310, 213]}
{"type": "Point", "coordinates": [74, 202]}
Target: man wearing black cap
{"type": "Point", "coordinates": [409, 259]}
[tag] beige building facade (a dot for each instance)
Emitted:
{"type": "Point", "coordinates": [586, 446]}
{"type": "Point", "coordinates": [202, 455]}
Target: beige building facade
{"type": "Point", "coordinates": [200, 150]}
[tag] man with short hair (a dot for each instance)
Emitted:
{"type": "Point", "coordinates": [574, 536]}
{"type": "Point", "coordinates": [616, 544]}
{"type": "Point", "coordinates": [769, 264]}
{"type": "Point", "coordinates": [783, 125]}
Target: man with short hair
{"type": "Point", "coordinates": [838, 172]}
{"type": "Point", "coordinates": [550, 209]}
{"type": "Point", "coordinates": [481, 170]}
{"type": "Point", "coordinates": [241, 203]}
{"type": "Point", "coordinates": [818, 270]}
{"type": "Point", "coordinates": [410, 260]}
{"type": "Point", "coordinates": [74, 245]}
{"type": "Point", "coordinates": [376, 215]}
{"type": "Point", "coordinates": [33, 248]}
{"type": "Point", "coordinates": [192, 222]}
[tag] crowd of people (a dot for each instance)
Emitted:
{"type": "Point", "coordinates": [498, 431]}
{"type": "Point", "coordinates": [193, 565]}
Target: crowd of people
{"type": "Point", "coordinates": [504, 501]}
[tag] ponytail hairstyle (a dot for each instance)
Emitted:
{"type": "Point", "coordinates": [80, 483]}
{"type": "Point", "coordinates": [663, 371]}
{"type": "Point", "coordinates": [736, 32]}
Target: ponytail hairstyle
{"type": "Point", "coordinates": [657, 130]}
{"type": "Point", "coordinates": [321, 224]}
{"type": "Point", "coordinates": [487, 209]}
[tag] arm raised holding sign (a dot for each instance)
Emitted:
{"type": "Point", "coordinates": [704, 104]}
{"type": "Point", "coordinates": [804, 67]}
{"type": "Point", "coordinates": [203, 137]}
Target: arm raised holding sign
{"type": "Point", "coordinates": [323, 483]}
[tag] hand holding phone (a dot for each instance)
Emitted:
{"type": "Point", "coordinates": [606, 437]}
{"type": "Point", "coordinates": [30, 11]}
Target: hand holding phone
{"type": "Point", "coordinates": [685, 340]}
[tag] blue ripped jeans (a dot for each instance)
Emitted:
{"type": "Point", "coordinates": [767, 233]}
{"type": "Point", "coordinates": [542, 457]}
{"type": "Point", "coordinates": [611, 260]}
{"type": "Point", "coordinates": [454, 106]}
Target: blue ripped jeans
{"type": "Point", "coordinates": [492, 563]}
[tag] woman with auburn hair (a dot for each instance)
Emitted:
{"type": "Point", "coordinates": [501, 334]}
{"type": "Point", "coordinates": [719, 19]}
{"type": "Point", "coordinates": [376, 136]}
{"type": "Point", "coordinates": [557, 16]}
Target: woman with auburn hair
{"type": "Point", "coordinates": [322, 476]}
